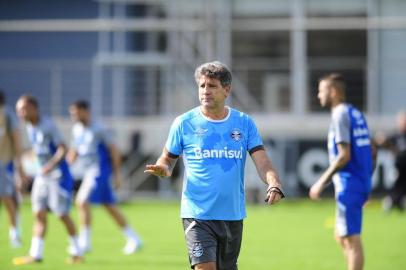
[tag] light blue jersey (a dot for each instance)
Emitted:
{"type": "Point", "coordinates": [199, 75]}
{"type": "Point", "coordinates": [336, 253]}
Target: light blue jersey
{"type": "Point", "coordinates": [45, 138]}
{"type": "Point", "coordinates": [214, 154]}
{"type": "Point", "coordinates": [349, 126]}
{"type": "Point", "coordinates": [91, 143]}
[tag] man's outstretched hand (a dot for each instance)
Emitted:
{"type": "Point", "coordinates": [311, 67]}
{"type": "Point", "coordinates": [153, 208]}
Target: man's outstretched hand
{"type": "Point", "coordinates": [160, 170]}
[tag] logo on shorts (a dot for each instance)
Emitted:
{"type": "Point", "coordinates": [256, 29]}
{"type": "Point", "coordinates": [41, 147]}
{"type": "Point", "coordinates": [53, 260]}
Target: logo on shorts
{"type": "Point", "coordinates": [197, 250]}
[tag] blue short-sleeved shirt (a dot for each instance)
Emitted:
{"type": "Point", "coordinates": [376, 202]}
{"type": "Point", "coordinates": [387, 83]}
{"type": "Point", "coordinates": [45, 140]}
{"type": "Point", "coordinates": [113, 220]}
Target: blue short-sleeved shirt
{"type": "Point", "coordinates": [45, 138]}
{"type": "Point", "coordinates": [214, 154]}
{"type": "Point", "coordinates": [349, 126]}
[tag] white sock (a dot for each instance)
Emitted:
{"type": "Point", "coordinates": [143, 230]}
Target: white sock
{"type": "Point", "coordinates": [37, 247]}
{"type": "Point", "coordinates": [84, 237]}
{"type": "Point", "coordinates": [75, 250]}
{"type": "Point", "coordinates": [13, 233]}
{"type": "Point", "coordinates": [130, 234]}
{"type": "Point", "coordinates": [18, 224]}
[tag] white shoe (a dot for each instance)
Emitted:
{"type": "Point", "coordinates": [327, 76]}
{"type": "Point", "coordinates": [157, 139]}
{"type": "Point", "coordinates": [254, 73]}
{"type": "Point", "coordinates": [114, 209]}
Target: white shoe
{"type": "Point", "coordinates": [73, 252]}
{"type": "Point", "coordinates": [387, 204]}
{"type": "Point", "coordinates": [15, 242]}
{"type": "Point", "coordinates": [132, 246]}
{"type": "Point", "coordinates": [84, 248]}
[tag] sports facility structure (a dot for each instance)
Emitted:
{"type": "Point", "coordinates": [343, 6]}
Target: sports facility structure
{"type": "Point", "coordinates": [134, 61]}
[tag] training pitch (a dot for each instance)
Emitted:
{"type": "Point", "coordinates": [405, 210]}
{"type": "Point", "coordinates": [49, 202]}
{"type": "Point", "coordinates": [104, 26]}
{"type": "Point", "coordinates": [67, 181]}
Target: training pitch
{"type": "Point", "coordinates": [295, 234]}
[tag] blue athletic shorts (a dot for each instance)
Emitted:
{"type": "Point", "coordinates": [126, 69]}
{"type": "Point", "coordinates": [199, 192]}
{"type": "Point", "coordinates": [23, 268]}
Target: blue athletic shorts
{"type": "Point", "coordinates": [349, 212]}
{"type": "Point", "coordinates": [96, 188]}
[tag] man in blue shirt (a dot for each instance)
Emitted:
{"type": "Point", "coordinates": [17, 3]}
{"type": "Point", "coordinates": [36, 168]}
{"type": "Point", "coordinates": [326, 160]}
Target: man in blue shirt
{"type": "Point", "coordinates": [351, 166]}
{"type": "Point", "coordinates": [214, 140]}
{"type": "Point", "coordinates": [53, 183]}
{"type": "Point", "coordinates": [93, 149]}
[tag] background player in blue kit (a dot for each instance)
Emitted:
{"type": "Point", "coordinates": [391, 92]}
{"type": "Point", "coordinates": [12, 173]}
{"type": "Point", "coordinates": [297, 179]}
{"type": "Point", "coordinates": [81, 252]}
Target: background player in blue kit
{"type": "Point", "coordinates": [93, 148]}
{"type": "Point", "coordinates": [52, 187]}
{"type": "Point", "coordinates": [10, 159]}
{"type": "Point", "coordinates": [351, 157]}
{"type": "Point", "coordinates": [214, 140]}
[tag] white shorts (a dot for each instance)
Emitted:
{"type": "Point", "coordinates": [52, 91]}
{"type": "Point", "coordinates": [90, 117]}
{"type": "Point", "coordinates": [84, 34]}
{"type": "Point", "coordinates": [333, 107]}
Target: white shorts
{"type": "Point", "coordinates": [88, 185]}
{"type": "Point", "coordinates": [47, 194]}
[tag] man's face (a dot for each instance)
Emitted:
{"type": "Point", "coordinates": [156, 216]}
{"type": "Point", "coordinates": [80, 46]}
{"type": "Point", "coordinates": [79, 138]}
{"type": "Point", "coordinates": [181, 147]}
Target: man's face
{"type": "Point", "coordinates": [77, 114]}
{"type": "Point", "coordinates": [211, 93]}
{"type": "Point", "coordinates": [324, 93]}
{"type": "Point", "coordinates": [25, 110]}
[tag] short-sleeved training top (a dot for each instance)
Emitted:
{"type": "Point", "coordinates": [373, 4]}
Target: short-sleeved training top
{"type": "Point", "coordinates": [348, 125]}
{"type": "Point", "coordinates": [45, 138]}
{"type": "Point", "coordinates": [91, 143]}
{"type": "Point", "coordinates": [214, 154]}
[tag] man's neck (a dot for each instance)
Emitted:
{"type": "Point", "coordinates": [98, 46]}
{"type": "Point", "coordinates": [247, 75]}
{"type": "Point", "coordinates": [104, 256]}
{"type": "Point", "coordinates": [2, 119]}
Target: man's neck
{"type": "Point", "coordinates": [35, 120]}
{"type": "Point", "coordinates": [218, 114]}
{"type": "Point", "coordinates": [336, 103]}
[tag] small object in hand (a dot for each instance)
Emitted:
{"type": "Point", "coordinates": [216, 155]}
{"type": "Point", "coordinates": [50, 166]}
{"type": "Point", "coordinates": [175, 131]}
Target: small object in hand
{"type": "Point", "coordinates": [277, 190]}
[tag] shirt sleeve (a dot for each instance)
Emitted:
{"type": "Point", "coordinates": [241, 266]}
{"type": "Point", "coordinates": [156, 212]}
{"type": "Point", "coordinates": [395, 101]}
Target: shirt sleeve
{"type": "Point", "coordinates": [174, 143]}
{"type": "Point", "coordinates": [12, 120]}
{"type": "Point", "coordinates": [55, 134]}
{"type": "Point", "coordinates": [106, 135]}
{"type": "Point", "coordinates": [341, 125]}
{"type": "Point", "coordinates": [254, 138]}
{"type": "Point", "coordinates": [73, 142]}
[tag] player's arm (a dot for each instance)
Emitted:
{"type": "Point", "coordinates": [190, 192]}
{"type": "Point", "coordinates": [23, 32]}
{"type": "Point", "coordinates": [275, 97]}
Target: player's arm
{"type": "Point", "coordinates": [374, 153]}
{"type": "Point", "coordinates": [55, 159]}
{"type": "Point", "coordinates": [163, 166]}
{"type": "Point", "coordinates": [18, 158]}
{"type": "Point", "coordinates": [268, 175]}
{"type": "Point", "coordinates": [116, 164]}
{"type": "Point", "coordinates": [343, 157]}
{"type": "Point", "coordinates": [71, 155]}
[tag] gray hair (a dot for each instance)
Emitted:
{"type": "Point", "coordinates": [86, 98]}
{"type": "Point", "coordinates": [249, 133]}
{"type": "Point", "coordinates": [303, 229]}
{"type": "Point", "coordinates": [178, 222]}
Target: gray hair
{"type": "Point", "coordinates": [215, 70]}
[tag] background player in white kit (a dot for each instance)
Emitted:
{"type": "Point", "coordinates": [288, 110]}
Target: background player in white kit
{"type": "Point", "coordinates": [10, 159]}
{"type": "Point", "coordinates": [92, 146]}
{"type": "Point", "coordinates": [52, 187]}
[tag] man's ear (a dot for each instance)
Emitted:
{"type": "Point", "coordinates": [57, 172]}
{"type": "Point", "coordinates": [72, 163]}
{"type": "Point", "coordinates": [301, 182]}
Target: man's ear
{"type": "Point", "coordinates": [334, 92]}
{"type": "Point", "coordinates": [228, 90]}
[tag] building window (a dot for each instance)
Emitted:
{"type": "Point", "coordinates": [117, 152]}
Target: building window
{"type": "Point", "coordinates": [343, 51]}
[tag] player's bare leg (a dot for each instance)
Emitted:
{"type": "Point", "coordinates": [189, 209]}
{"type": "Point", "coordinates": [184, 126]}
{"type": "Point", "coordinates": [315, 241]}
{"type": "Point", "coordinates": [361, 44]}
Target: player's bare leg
{"type": "Point", "coordinates": [206, 266]}
{"type": "Point", "coordinates": [352, 247]}
{"type": "Point", "coordinates": [133, 240]}
{"type": "Point", "coordinates": [12, 209]}
{"type": "Point", "coordinates": [85, 220]}
{"type": "Point", "coordinates": [116, 215]}
{"type": "Point", "coordinates": [37, 241]}
{"type": "Point", "coordinates": [40, 224]}
{"type": "Point", "coordinates": [85, 215]}
{"type": "Point", "coordinates": [340, 241]}
{"type": "Point", "coordinates": [75, 251]}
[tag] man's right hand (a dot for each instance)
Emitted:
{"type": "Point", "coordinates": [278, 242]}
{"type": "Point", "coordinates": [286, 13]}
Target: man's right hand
{"type": "Point", "coordinates": [160, 170]}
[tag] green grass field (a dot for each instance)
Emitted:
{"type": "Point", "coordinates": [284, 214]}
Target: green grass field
{"type": "Point", "coordinates": [293, 235]}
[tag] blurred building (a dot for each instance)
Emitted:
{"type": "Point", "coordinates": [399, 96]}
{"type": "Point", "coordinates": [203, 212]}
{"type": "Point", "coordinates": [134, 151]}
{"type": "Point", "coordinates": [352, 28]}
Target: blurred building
{"type": "Point", "coordinates": [134, 60]}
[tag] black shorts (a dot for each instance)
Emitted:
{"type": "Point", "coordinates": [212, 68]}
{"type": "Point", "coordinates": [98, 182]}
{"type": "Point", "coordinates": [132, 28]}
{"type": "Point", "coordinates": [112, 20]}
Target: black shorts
{"type": "Point", "coordinates": [213, 241]}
